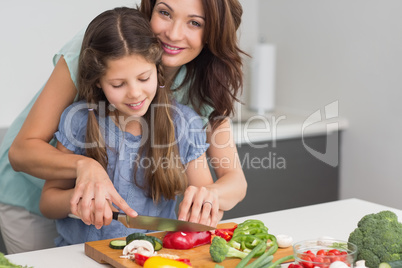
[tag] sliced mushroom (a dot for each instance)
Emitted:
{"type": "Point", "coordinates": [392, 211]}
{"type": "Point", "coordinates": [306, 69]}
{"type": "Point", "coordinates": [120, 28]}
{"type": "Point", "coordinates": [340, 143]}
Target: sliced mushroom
{"type": "Point", "coordinates": [143, 247]}
{"type": "Point", "coordinates": [284, 241]}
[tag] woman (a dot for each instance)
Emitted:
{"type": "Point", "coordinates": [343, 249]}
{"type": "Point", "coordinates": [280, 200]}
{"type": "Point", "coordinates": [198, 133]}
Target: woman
{"type": "Point", "coordinates": [203, 58]}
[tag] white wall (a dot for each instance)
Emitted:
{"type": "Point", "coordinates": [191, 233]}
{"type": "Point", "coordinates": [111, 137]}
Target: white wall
{"type": "Point", "coordinates": [351, 52]}
{"type": "Point", "coordinates": [31, 32]}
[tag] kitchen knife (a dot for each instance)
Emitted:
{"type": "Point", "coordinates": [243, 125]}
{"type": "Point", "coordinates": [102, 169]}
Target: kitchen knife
{"type": "Point", "coordinates": [157, 223]}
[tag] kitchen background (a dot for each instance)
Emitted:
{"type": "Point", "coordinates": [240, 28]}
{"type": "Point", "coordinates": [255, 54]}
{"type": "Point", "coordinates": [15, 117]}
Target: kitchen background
{"type": "Point", "coordinates": [343, 52]}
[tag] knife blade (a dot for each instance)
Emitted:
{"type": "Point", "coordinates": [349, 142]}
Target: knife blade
{"type": "Point", "coordinates": [156, 223]}
{"type": "Point", "coordinates": [159, 224]}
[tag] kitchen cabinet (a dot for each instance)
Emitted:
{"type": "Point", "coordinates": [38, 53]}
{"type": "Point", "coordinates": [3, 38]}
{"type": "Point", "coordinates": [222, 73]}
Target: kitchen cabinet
{"type": "Point", "coordinates": [290, 159]}
{"type": "Point", "coordinates": [288, 177]}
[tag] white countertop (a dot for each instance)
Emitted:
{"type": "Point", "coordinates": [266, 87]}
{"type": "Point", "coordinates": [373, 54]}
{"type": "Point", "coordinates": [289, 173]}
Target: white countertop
{"type": "Point", "coordinates": [335, 219]}
{"type": "Point", "coordinates": [249, 127]}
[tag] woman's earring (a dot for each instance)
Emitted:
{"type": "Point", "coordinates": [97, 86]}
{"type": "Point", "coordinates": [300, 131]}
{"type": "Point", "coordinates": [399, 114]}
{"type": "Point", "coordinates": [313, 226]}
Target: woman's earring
{"type": "Point", "coordinates": [162, 86]}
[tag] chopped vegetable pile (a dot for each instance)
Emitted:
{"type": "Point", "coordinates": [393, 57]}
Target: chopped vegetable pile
{"type": "Point", "coordinates": [378, 237]}
{"type": "Point", "coordinates": [249, 239]}
{"type": "Point", "coordinates": [225, 233]}
{"type": "Point", "coordinates": [246, 240]}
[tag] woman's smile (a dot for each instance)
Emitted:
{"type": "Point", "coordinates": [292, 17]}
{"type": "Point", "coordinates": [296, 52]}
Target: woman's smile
{"type": "Point", "coordinates": [171, 49]}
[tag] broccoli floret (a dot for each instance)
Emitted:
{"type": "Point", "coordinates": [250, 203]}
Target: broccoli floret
{"type": "Point", "coordinates": [219, 250]}
{"type": "Point", "coordinates": [386, 214]}
{"type": "Point", "coordinates": [378, 237]}
{"type": "Point", "coordinates": [370, 258]}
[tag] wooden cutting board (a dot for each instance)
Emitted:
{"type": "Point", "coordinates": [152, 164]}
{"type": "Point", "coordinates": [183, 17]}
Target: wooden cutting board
{"type": "Point", "coordinates": [199, 256]}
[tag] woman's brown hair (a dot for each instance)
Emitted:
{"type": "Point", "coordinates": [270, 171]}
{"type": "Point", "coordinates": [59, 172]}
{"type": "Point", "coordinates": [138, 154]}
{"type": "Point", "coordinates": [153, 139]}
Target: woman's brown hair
{"type": "Point", "coordinates": [110, 36]}
{"type": "Point", "coordinates": [215, 76]}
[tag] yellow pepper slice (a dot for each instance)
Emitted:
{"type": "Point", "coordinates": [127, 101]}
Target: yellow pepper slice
{"type": "Point", "coordinates": [160, 262]}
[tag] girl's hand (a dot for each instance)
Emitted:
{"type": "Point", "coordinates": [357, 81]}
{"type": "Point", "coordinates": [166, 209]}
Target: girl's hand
{"type": "Point", "coordinates": [200, 205]}
{"type": "Point", "coordinates": [92, 193]}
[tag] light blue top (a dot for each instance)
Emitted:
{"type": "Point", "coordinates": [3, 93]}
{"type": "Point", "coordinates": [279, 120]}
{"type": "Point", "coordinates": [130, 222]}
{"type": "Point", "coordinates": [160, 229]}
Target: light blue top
{"type": "Point", "coordinates": [122, 149]}
{"type": "Point", "coordinates": [23, 190]}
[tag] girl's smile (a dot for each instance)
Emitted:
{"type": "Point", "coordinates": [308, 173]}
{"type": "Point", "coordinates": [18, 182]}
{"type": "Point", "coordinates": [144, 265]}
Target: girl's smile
{"type": "Point", "coordinates": [130, 84]}
{"type": "Point", "coordinates": [136, 106]}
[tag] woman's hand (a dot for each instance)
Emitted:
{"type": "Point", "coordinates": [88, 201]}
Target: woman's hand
{"type": "Point", "coordinates": [93, 193]}
{"type": "Point", "coordinates": [230, 187]}
{"type": "Point", "coordinates": [107, 215]}
{"type": "Point", "coordinates": [200, 205]}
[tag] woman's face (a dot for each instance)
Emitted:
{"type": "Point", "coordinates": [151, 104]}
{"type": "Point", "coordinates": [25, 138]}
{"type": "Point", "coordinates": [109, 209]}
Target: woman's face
{"type": "Point", "coordinates": [179, 25]}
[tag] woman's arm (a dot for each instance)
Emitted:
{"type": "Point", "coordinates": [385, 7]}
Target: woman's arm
{"type": "Point", "coordinates": [231, 184]}
{"type": "Point", "coordinates": [193, 207]}
{"type": "Point", "coordinates": [31, 152]}
{"type": "Point", "coordinates": [55, 202]}
{"type": "Point", "coordinates": [205, 201]}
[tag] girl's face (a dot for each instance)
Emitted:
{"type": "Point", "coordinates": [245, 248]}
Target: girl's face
{"type": "Point", "coordinates": [130, 84]}
{"type": "Point", "coordinates": [179, 25]}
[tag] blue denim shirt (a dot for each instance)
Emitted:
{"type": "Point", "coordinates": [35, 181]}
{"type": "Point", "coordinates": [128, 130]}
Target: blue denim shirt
{"type": "Point", "coordinates": [122, 149]}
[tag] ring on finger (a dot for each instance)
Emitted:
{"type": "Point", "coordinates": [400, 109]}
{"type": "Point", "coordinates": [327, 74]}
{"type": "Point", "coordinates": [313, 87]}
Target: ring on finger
{"type": "Point", "coordinates": [209, 202]}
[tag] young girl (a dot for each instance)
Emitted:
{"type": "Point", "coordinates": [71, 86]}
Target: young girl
{"type": "Point", "coordinates": [126, 121]}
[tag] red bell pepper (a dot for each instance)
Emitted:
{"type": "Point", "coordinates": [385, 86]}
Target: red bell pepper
{"type": "Point", "coordinates": [140, 259]}
{"type": "Point", "coordinates": [186, 261]}
{"type": "Point", "coordinates": [226, 234]}
{"type": "Point", "coordinates": [186, 240]}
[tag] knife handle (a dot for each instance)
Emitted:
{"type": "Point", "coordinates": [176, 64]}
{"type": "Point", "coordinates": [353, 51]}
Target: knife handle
{"type": "Point", "coordinates": [115, 216]}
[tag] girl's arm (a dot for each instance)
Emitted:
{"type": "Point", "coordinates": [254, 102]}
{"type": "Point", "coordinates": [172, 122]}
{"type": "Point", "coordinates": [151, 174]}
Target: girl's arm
{"type": "Point", "coordinates": [31, 152]}
{"type": "Point", "coordinates": [56, 194]}
{"type": "Point", "coordinates": [228, 190]}
{"type": "Point", "coordinates": [55, 198]}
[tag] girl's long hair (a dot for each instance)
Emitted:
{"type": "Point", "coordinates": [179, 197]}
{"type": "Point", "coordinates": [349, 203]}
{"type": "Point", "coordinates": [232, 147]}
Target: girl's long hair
{"type": "Point", "coordinates": [215, 76]}
{"type": "Point", "coordinates": [110, 36]}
